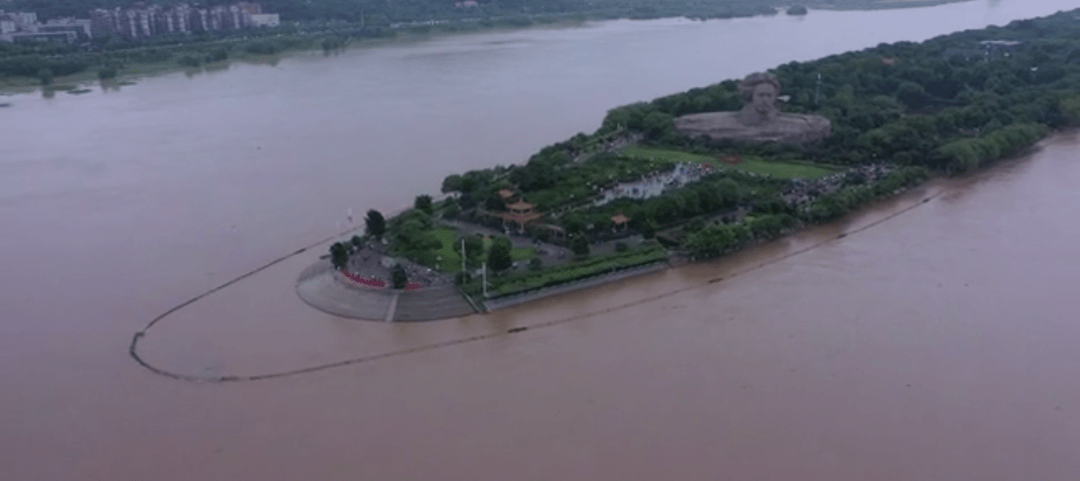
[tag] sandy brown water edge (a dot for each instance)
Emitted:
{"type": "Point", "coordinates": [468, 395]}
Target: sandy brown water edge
{"type": "Point", "coordinates": [621, 294]}
{"type": "Point", "coordinates": [938, 345]}
{"type": "Point", "coordinates": [868, 357]}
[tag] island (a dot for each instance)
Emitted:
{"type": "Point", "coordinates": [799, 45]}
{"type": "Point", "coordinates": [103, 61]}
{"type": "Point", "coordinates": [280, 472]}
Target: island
{"type": "Point", "coordinates": [646, 190]}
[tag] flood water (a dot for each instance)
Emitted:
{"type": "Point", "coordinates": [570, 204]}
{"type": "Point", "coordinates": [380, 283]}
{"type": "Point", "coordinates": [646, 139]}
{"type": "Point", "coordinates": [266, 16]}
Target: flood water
{"type": "Point", "coordinates": [936, 340]}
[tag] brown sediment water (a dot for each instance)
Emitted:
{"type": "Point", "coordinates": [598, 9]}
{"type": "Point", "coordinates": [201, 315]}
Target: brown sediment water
{"type": "Point", "coordinates": [937, 344]}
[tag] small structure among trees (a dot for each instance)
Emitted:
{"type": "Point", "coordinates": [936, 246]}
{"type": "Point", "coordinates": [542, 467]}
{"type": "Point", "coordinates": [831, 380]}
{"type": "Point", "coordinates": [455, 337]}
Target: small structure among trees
{"type": "Point", "coordinates": [619, 222]}
{"type": "Point", "coordinates": [520, 214]}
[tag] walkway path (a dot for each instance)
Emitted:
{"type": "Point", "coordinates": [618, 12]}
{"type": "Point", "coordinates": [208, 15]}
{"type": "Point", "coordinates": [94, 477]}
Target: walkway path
{"type": "Point", "coordinates": [512, 300]}
{"type": "Point", "coordinates": [324, 289]}
{"type": "Point", "coordinates": [550, 254]}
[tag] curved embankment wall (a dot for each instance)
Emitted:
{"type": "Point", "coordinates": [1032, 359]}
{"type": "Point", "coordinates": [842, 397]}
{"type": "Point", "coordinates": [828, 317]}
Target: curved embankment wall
{"type": "Point", "coordinates": [325, 289]}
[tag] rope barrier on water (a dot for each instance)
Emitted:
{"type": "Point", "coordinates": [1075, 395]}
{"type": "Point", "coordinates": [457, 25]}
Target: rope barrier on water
{"type": "Point", "coordinates": [133, 348]}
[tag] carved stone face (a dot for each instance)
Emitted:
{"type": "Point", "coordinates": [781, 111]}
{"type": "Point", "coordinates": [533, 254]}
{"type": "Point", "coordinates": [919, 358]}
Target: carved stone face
{"type": "Point", "coordinates": [764, 100]}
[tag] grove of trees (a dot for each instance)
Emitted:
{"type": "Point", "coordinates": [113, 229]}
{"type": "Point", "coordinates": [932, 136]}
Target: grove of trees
{"type": "Point", "coordinates": [949, 104]}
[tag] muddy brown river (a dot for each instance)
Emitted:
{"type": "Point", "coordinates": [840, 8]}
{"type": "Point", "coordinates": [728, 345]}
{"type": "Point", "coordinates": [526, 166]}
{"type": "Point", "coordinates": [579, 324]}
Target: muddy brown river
{"type": "Point", "coordinates": [937, 340]}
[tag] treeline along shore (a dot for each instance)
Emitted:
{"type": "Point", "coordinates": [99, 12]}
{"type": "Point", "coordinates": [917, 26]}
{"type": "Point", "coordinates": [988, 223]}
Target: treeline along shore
{"type": "Point", "coordinates": [329, 25]}
{"type": "Point", "coordinates": [635, 192]}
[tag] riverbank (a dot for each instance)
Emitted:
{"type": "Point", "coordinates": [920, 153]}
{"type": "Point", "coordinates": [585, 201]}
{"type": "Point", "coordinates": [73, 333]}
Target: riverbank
{"type": "Point", "coordinates": [343, 37]}
{"type": "Point", "coordinates": [874, 319]}
{"type": "Point", "coordinates": [297, 44]}
{"type": "Point", "coordinates": [885, 347]}
{"type": "Point", "coordinates": [692, 275]}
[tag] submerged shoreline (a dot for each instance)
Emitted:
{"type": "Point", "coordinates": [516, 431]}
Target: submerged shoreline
{"type": "Point", "coordinates": [322, 287]}
{"type": "Point", "coordinates": [737, 265]}
{"type": "Point", "coordinates": [734, 265]}
{"type": "Point", "coordinates": [860, 197]}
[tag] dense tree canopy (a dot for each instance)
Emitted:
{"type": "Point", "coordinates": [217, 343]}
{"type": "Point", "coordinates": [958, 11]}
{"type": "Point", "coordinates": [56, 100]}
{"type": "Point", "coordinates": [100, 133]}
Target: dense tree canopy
{"type": "Point", "coordinates": [950, 104]}
{"type": "Point", "coordinates": [903, 102]}
{"type": "Point", "coordinates": [499, 254]}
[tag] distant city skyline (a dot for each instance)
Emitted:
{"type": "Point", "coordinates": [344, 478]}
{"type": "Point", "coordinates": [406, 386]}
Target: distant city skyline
{"type": "Point", "coordinates": [152, 20]}
{"type": "Point", "coordinates": [135, 22]}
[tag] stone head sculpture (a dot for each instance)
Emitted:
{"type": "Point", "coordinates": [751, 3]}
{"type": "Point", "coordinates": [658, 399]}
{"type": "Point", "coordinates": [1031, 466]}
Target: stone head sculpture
{"type": "Point", "coordinates": [758, 121]}
{"type": "Point", "coordinates": [759, 92]}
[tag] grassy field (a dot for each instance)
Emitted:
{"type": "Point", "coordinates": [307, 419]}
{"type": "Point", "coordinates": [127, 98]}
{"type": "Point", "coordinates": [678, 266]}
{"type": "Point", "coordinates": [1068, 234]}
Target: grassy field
{"type": "Point", "coordinates": [785, 170]}
{"type": "Point", "coordinates": [450, 258]}
{"type": "Point", "coordinates": [516, 253]}
{"type": "Point", "coordinates": [522, 253]}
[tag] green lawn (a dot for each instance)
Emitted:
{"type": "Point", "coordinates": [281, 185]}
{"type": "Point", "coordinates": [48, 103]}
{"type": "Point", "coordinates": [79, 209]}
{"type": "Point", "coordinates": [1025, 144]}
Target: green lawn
{"type": "Point", "coordinates": [451, 258]}
{"type": "Point", "coordinates": [785, 170]}
{"type": "Point", "coordinates": [522, 253]}
{"type": "Point", "coordinates": [672, 155]}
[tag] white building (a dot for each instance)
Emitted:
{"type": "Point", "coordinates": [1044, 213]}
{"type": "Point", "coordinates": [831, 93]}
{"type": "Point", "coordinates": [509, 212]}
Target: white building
{"type": "Point", "coordinates": [264, 20]}
{"type": "Point", "coordinates": [23, 26]}
{"type": "Point", "coordinates": [79, 26]}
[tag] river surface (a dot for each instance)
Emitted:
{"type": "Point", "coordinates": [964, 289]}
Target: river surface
{"type": "Point", "coordinates": [935, 341]}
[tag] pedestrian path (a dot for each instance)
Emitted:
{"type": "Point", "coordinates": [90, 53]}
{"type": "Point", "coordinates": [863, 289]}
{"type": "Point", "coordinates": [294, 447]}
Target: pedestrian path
{"type": "Point", "coordinates": [324, 288]}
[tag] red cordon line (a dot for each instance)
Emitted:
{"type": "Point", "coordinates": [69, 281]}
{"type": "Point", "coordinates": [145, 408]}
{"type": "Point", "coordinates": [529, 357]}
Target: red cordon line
{"type": "Point", "coordinates": [376, 283]}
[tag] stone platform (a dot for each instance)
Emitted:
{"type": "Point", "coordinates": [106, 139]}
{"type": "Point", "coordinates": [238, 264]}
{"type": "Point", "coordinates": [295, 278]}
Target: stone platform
{"type": "Point", "coordinates": [325, 289]}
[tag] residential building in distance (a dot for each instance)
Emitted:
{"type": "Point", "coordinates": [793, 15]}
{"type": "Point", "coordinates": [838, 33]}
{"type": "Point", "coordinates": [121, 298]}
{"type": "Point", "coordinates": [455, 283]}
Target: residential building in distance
{"type": "Point", "coordinates": [24, 27]}
{"type": "Point", "coordinates": [264, 20]}
{"type": "Point", "coordinates": [148, 21]}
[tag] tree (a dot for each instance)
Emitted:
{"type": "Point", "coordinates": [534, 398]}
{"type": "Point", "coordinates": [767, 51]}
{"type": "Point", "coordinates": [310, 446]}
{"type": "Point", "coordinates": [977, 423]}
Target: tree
{"type": "Point", "coordinates": [452, 209]}
{"type": "Point", "coordinates": [375, 223]}
{"type": "Point", "coordinates": [574, 222]}
{"type": "Point", "coordinates": [1070, 108]}
{"type": "Point", "coordinates": [423, 204]}
{"type": "Point", "coordinates": [46, 76]}
{"type": "Point", "coordinates": [657, 125]}
{"type": "Point", "coordinates": [580, 245]}
{"type": "Point", "coordinates": [339, 255]}
{"type": "Point", "coordinates": [453, 183]}
{"type": "Point", "coordinates": [695, 224]}
{"type": "Point", "coordinates": [398, 277]}
{"type": "Point", "coordinates": [474, 248]}
{"type": "Point", "coordinates": [648, 230]}
{"type": "Point", "coordinates": [499, 257]}
{"type": "Point", "coordinates": [356, 241]}
{"type": "Point", "coordinates": [711, 241]}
